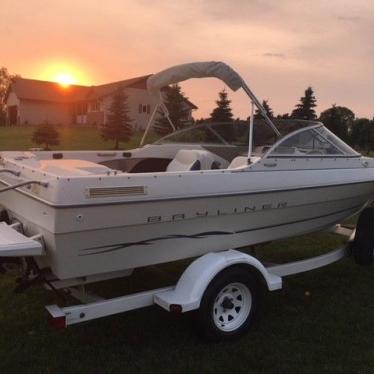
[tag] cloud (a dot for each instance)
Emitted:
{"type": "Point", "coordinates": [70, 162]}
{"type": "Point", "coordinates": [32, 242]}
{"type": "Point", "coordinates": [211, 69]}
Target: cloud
{"type": "Point", "coordinates": [274, 54]}
{"type": "Point", "coordinates": [350, 18]}
{"type": "Point", "coordinates": [279, 46]}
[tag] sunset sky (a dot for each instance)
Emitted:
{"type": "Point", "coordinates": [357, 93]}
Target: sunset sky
{"type": "Point", "coordinates": [279, 47]}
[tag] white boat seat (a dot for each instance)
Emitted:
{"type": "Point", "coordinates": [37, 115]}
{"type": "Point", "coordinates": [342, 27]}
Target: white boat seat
{"type": "Point", "coordinates": [193, 159]}
{"type": "Point", "coordinates": [238, 162]}
{"type": "Point", "coordinates": [242, 161]}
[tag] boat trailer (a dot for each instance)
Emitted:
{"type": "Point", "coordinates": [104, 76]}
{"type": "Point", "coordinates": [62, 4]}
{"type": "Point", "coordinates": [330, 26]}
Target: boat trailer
{"type": "Point", "coordinates": [227, 275]}
{"type": "Point", "coordinates": [187, 294]}
{"type": "Point", "coordinates": [183, 296]}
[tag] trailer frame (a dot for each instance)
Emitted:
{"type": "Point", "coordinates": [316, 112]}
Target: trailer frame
{"type": "Point", "coordinates": [186, 295]}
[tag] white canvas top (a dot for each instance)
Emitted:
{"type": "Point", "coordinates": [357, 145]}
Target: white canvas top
{"type": "Point", "coordinates": [183, 72]}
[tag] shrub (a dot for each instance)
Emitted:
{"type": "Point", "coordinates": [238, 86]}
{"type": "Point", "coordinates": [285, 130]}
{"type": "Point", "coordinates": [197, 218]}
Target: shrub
{"type": "Point", "coordinates": [47, 135]}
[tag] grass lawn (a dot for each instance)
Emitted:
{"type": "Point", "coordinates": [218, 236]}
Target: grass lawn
{"type": "Point", "coordinates": [321, 321]}
{"type": "Point", "coordinates": [71, 138]}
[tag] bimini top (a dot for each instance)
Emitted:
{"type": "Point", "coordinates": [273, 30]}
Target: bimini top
{"type": "Point", "coordinates": [179, 73]}
{"type": "Point", "coordinates": [209, 69]}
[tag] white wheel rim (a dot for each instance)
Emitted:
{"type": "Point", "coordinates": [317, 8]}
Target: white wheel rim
{"type": "Point", "coordinates": [232, 306]}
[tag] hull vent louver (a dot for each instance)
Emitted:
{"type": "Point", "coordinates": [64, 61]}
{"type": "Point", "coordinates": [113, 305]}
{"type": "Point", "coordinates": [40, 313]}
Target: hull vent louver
{"type": "Point", "coordinates": [115, 191]}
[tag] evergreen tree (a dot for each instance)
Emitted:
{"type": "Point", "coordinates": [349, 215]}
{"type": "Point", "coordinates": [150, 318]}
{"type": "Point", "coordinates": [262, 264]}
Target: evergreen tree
{"type": "Point", "coordinates": [267, 108]}
{"type": "Point", "coordinates": [46, 134]}
{"type": "Point", "coordinates": [118, 125]}
{"type": "Point", "coordinates": [283, 116]}
{"type": "Point", "coordinates": [338, 119]}
{"type": "Point", "coordinates": [305, 109]}
{"type": "Point", "coordinates": [223, 112]}
{"type": "Point", "coordinates": [175, 102]}
{"type": "Point", "coordinates": [201, 120]}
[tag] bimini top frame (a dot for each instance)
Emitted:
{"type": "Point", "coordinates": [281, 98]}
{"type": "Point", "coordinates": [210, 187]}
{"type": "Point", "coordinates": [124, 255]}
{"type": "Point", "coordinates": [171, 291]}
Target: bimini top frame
{"type": "Point", "coordinates": [210, 69]}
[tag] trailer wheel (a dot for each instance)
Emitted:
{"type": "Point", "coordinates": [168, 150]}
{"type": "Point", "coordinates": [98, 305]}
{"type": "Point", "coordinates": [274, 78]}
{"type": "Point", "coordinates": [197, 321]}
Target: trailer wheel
{"type": "Point", "coordinates": [228, 305]}
{"type": "Point", "coordinates": [363, 244]}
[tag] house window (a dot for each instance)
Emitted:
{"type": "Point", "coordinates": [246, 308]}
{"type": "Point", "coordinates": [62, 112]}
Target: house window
{"type": "Point", "coordinates": [144, 108]}
{"type": "Point", "coordinates": [95, 106]}
{"type": "Point", "coordinates": [81, 108]}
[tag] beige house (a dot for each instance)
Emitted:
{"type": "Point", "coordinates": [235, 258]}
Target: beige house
{"type": "Point", "coordinates": [31, 102]}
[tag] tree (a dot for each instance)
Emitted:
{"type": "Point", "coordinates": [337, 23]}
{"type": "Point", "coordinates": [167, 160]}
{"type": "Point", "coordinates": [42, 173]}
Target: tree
{"type": "Point", "coordinates": [46, 134]}
{"type": "Point", "coordinates": [175, 102]}
{"type": "Point", "coordinates": [223, 111]}
{"type": "Point", "coordinates": [118, 125]}
{"type": "Point", "coordinates": [362, 134]}
{"type": "Point", "coordinates": [338, 119]}
{"type": "Point", "coordinates": [201, 120]}
{"type": "Point", "coordinates": [283, 116]}
{"type": "Point", "coordinates": [5, 79]}
{"type": "Point", "coordinates": [305, 109]}
{"type": "Point", "coordinates": [267, 108]}
{"type": "Point", "coordinates": [2, 116]}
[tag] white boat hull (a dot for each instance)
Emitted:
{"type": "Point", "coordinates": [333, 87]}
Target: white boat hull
{"type": "Point", "coordinates": [104, 240]}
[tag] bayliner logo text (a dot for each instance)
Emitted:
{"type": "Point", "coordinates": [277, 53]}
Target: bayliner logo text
{"type": "Point", "coordinates": [217, 212]}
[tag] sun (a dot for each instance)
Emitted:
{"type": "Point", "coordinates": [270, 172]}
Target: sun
{"type": "Point", "coordinates": [65, 72]}
{"type": "Point", "coordinates": [64, 79]}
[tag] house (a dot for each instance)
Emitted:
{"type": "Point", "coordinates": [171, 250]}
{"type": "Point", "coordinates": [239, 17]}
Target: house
{"type": "Point", "coordinates": [32, 102]}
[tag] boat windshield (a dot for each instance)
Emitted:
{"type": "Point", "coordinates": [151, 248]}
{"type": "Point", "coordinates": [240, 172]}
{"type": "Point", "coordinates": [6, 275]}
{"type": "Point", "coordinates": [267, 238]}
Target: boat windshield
{"type": "Point", "coordinates": [225, 133]}
{"type": "Point", "coordinates": [313, 141]}
{"type": "Point", "coordinates": [194, 134]}
{"type": "Point", "coordinates": [233, 133]}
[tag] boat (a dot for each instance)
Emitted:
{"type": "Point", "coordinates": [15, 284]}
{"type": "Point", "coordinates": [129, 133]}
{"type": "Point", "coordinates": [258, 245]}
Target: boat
{"type": "Point", "coordinates": [206, 188]}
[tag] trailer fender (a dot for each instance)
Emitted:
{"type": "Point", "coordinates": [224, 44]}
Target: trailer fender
{"type": "Point", "coordinates": [195, 279]}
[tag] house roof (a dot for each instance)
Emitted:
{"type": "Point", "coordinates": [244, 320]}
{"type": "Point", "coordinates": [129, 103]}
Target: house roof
{"type": "Point", "coordinates": [192, 105]}
{"type": "Point", "coordinates": [32, 89]}
{"type": "Point", "coordinates": [108, 89]}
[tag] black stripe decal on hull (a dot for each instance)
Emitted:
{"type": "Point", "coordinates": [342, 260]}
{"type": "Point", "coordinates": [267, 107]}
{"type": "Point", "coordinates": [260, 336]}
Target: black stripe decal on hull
{"type": "Point", "coordinates": [111, 248]}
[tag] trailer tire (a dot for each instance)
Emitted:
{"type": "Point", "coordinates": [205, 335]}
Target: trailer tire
{"type": "Point", "coordinates": [363, 244]}
{"type": "Point", "coordinates": [228, 305]}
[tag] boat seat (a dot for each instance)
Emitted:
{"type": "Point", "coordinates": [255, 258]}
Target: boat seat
{"type": "Point", "coordinates": [193, 159]}
{"type": "Point", "coordinates": [238, 162]}
{"type": "Point", "coordinates": [242, 161]}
